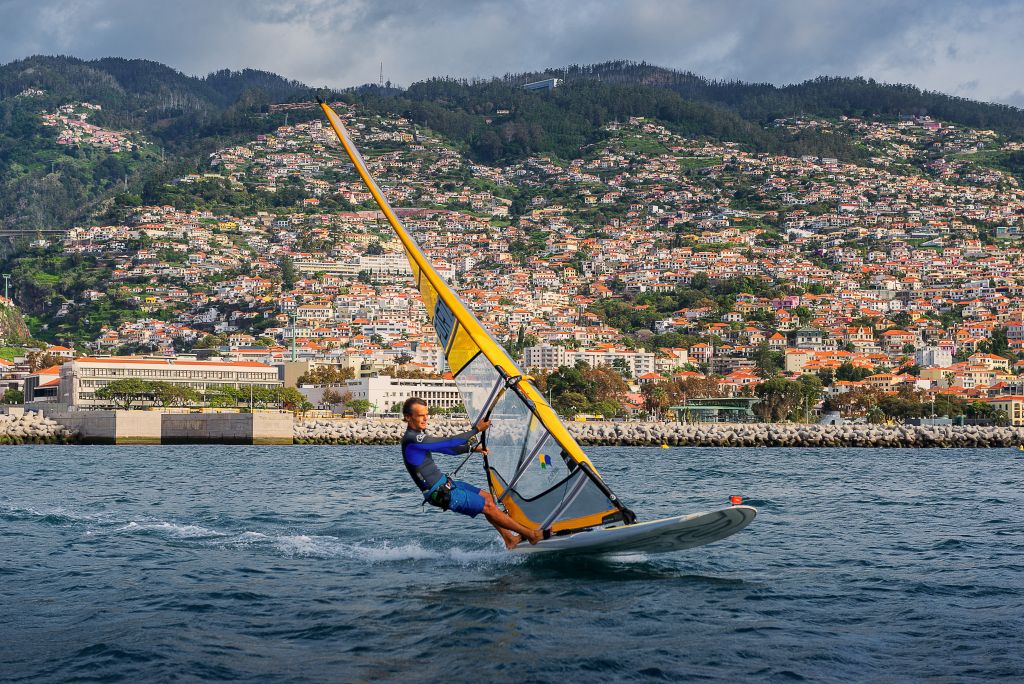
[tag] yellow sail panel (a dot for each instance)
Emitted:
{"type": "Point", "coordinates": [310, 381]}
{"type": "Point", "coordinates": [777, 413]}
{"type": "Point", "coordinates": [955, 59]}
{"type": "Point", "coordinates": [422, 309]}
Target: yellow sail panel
{"type": "Point", "coordinates": [429, 295]}
{"type": "Point", "coordinates": [461, 351]}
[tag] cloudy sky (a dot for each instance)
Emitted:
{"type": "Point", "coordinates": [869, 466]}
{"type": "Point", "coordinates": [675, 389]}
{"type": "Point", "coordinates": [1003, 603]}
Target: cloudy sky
{"type": "Point", "coordinates": [973, 49]}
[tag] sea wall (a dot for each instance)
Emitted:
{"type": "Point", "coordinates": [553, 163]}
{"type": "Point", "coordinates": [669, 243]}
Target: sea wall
{"type": "Point", "coordinates": [227, 428]}
{"type": "Point", "coordinates": [389, 431]}
{"type": "Point", "coordinates": [32, 427]}
{"type": "Point", "coordinates": [159, 427]}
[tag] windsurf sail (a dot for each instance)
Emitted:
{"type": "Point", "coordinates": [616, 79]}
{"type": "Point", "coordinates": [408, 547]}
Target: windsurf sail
{"type": "Point", "coordinates": [535, 468]}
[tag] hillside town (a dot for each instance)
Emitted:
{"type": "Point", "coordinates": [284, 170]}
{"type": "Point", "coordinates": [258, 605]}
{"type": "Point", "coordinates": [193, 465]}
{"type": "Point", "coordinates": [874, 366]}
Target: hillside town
{"type": "Point", "coordinates": [693, 268]}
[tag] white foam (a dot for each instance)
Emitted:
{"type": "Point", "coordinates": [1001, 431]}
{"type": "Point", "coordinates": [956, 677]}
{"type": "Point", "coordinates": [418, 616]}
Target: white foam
{"type": "Point", "coordinates": [172, 529]}
{"type": "Point", "coordinates": [55, 512]}
{"type": "Point", "coordinates": [634, 557]}
{"type": "Point", "coordinates": [312, 546]}
{"type": "Point", "coordinates": [474, 556]}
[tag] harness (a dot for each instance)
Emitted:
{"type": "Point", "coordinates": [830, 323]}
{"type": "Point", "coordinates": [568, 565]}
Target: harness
{"type": "Point", "coordinates": [440, 494]}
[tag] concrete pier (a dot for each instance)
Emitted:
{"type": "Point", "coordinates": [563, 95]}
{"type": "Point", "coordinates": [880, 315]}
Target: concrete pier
{"type": "Point", "coordinates": [155, 427]}
{"type": "Point", "coordinates": [227, 428]}
{"type": "Point", "coordinates": [111, 427]}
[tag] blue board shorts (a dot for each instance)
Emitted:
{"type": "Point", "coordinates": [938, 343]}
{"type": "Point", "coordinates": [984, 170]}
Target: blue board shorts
{"type": "Point", "coordinates": [466, 499]}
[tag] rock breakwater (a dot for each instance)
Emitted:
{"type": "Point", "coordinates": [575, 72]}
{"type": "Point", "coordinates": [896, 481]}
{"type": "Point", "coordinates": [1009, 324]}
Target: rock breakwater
{"type": "Point", "coordinates": [389, 431]}
{"type": "Point", "coordinates": [34, 428]}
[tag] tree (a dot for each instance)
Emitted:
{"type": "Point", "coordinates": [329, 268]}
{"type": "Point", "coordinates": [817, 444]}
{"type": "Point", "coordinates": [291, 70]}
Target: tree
{"type": "Point", "coordinates": [289, 274]}
{"type": "Point", "coordinates": [123, 393]}
{"type": "Point", "coordinates": [326, 375]}
{"type": "Point", "coordinates": [607, 408]}
{"type": "Point", "coordinates": [332, 396]}
{"type": "Point", "coordinates": [212, 342]}
{"type": "Point", "coordinates": [779, 397]}
{"type": "Point", "coordinates": [169, 394]}
{"type": "Point", "coordinates": [291, 399]}
{"type": "Point", "coordinates": [13, 396]}
{"type": "Point", "coordinates": [655, 398]}
{"type": "Point", "coordinates": [851, 373]}
{"type": "Point", "coordinates": [38, 360]}
{"type": "Point", "coordinates": [571, 403]}
{"type": "Point", "coordinates": [768, 361]}
{"type": "Point", "coordinates": [359, 406]}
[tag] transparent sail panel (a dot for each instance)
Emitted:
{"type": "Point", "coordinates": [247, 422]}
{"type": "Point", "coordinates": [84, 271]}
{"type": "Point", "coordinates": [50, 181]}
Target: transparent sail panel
{"type": "Point", "coordinates": [476, 383]}
{"type": "Point", "coordinates": [536, 482]}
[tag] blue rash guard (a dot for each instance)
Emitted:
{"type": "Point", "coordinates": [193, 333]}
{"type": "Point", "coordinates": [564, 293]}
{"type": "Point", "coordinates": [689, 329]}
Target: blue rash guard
{"type": "Point", "coordinates": [456, 496]}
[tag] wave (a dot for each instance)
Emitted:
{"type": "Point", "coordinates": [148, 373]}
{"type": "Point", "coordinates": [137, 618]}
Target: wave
{"type": "Point", "coordinates": [55, 515]}
{"type": "Point", "coordinates": [313, 546]}
{"type": "Point", "coordinates": [289, 544]}
{"type": "Point", "coordinates": [172, 529]}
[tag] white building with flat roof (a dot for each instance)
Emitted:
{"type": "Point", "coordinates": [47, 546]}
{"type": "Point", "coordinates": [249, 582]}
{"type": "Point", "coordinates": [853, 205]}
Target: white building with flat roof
{"type": "Point", "coordinates": [383, 391]}
{"type": "Point", "coordinates": [550, 357]}
{"type": "Point", "coordinates": [81, 378]}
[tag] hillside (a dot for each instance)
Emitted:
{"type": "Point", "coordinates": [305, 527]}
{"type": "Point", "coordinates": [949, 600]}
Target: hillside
{"type": "Point", "coordinates": [173, 120]}
{"type": "Point", "coordinates": [559, 122]}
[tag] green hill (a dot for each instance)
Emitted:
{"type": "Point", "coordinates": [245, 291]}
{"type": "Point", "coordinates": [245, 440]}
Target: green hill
{"type": "Point", "coordinates": [182, 119]}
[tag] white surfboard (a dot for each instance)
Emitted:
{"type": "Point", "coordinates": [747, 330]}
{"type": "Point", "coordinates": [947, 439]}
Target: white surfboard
{"type": "Point", "coordinates": [657, 536]}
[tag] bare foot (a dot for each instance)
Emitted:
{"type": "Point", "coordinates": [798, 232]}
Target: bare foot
{"type": "Point", "coordinates": [511, 540]}
{"type": "Point", "coordinates": [535, 536]}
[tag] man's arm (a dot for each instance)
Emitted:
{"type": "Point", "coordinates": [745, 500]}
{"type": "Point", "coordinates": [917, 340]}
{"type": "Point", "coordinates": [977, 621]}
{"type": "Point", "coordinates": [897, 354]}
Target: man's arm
{"type": "Point", "coordinates": [457, 444]}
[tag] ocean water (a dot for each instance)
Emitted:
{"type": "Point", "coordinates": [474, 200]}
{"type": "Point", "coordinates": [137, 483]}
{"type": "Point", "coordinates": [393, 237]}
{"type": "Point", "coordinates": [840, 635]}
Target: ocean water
{"type": "Point", "coordinates": [316, 564]}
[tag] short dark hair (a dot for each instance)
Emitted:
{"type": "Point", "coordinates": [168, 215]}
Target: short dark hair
{"type": "Point", "coordinates": [409, 403]}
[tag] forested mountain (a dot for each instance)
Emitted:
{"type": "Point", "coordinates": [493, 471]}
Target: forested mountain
{"type": "Point", "coordinates": [184, 118]}
{"type": "Point", "coordinates": [556, 122]}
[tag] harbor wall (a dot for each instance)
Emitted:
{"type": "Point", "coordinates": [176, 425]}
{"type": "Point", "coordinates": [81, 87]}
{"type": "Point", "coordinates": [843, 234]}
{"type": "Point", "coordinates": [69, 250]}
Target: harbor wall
{"type": "Point", "coordinates": [228, 428]}
{"type": "Point", "coordinates": [389, 431]}
{"type": "Point", "coordinates": [156, 427]}
{"type": "Point", "coordinates": [19, 426]}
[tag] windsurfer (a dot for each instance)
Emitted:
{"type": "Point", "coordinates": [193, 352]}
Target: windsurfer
{"type": "Point", "coordinates": [442, 491]}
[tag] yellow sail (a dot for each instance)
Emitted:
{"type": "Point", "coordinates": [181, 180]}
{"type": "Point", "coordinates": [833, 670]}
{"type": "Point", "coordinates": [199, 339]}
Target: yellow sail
{"type": "Point", "coordinates": [535, 468]}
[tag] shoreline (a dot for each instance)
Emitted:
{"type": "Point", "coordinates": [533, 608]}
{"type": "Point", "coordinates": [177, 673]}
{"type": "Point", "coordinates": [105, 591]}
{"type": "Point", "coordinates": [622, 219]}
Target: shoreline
{"type": "Point", "coordinates": [35, 428]}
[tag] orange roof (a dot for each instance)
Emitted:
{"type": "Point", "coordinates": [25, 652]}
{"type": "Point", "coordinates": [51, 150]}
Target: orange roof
{"type": "Point", "coordinates": [170, 362]}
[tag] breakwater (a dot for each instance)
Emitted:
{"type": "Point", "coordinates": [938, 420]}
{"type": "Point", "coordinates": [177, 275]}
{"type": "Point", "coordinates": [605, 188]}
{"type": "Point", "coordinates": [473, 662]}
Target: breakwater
{"type": "Point", "coordinates": [34, 428]}
{"type": "Point", "coordinates": [389, 431]}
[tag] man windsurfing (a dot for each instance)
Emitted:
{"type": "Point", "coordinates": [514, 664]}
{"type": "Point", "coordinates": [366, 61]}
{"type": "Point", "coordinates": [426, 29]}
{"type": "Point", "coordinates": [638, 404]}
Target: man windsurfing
{"type": "Point", "coordinates": [442, 491]}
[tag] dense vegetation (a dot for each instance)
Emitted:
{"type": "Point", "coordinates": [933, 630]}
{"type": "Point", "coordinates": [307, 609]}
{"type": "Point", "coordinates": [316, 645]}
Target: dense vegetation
{"type": "Point", "coordinates": [559, 121]}
{"type": "Point", "coordinates": [43, 184]}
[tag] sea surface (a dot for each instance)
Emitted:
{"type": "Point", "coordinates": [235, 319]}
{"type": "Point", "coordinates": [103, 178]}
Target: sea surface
{"type": "Point", "coordinates": [316, 564]}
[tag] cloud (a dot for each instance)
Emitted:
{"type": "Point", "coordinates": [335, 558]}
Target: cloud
{"type": "Point", "coordinates": [944, 45]}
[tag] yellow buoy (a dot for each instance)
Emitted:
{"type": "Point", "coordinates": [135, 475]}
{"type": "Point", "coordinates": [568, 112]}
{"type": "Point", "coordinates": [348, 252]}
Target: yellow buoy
{"type": "Point", "coordinates": [665, 446]}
